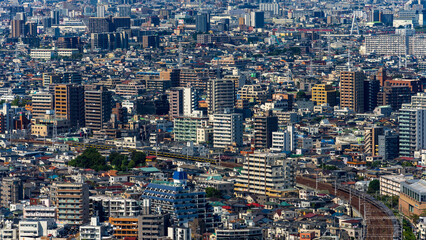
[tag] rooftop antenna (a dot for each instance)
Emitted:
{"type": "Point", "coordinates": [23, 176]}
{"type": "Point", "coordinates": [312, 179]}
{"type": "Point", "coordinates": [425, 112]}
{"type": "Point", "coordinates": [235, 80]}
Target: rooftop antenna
{"type": "Point", "coordinates": [349, 60]}
{"type": "Point", "coordinates": [354, 24]}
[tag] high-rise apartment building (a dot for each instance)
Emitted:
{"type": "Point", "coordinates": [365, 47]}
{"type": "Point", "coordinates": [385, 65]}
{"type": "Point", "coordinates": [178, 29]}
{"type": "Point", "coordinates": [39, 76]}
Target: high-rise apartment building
{"type": "Point", "coordinates": [100, 25]}
{"type": "Point", "coordinates": [72, 202]}
{"type": "Point", "coordinates": [352, 91]}
{"type": "Point", "coordinates": [412, 130]}
{"type": "Point", "coordinates": [371, 140]}
{"type": "Point", "coordinates": [227, 130]}
{"type": "Point", "coordinates": [100, 11]}
{"type": "Point", "coordinates": [197, 77]}
{"type": "Point", "coordinates": [173, 75]}
{"type": "Point", "coordinates": [388, 145]}
{"type": "Point", "coordinates": [183, 101]}
{"type": "Point", "coordinates": [98, 106]}
{"type": "Point", "coordinates": [51, 78]}
{"type": "Point", "coordinates": [257, 19]}
{"type": "Point", "coordinates": [69, 104]}
{"type": "Point", "coordinates": [371, 89]}
{"type": "Point", "coordinates": [124, 10]}
{"type": "Point", "coordinates": [284, 141]}
{"type": "Point", "coordinates": [54, 15]}
{"type": "Point", "coordinates": [269, 174]}
{"type": "Point", "coordinates": [11, 191]}
{"type": "Point", "coordinates": [177, 199]}
{"type": "Point", "coordinates": [41, 102]}
{"type": "Point", "coordinates": [264, 126]}
{"type": "Point", "coordinates": [394, 96]}
{"type": "Point", "coordinates": [220, 95]}
{"type": "Point", "coordinates": [17, 28]}
{"type": "Point", "coordinates": [202, 22]}
{"type": "Point", "coordinates": [109, 41]}
{"type": "Point", "coordinates": [324, 94]}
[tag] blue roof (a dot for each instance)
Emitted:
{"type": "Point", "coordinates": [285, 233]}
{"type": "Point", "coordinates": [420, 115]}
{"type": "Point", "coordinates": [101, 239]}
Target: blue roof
{"type": "Point", "coordinates": [180, 175]}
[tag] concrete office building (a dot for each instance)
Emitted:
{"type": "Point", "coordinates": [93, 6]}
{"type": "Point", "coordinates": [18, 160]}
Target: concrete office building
{"type": "Point", "coordinates": [72, 202]}
{"type": "Point", "coordinates": [220, 95]}
{"type": "Point", "coordinates": [41, 102]}
{"type": "Point", "coordinates": [268, 174]}
{"type": "Point", "coordinates": [98, 106]}
{"type": "Point", "coordinates": [69, 104]}
{"type": "Point", "coordinates": [227, 130]}
{"type": "Point", "coordinates": [352, 91]}
{"type": "Point", "coordinates": [412, 199]}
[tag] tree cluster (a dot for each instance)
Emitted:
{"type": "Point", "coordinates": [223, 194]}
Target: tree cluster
{"type": "Point", "coordinates": [90, 158]}
{"type": "Point", "coordinates": [122, 162]}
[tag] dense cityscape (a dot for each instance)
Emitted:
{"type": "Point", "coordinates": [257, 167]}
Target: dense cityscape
{"type": "Point", "coordinates": [212, 120]}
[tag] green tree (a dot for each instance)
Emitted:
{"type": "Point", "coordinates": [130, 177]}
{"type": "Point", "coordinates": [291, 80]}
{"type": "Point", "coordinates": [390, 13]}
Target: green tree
{"type": "Point", "coordinates": [300, 95]}
{"type": "Point", "coordinates": [90, 158]}
{"type": "Point", "coordinates": [213, 192]}
{"type": "Point", "coordinates": [138, 157]}
{"type": "Point", "coordinates": [374, 186]}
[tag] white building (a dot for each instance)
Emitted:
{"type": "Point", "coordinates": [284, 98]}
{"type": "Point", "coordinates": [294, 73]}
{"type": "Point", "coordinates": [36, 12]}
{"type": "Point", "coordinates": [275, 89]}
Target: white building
{"type": "Point", "coordinates": [227, 130]}
{"type": "Point", "coordinates": [39, 211]}
{"type": "Point", "coordinates": [179, 233]}
{"type": "Point", "coordinates": [117, 206]}
{"type": "Point", "coordinates": [274, 8]}
{"type": "Point", "coordinates": [8, 232]}
{"type": "Point", "coordinates": [421, 226]}
{"type": "Point", "coordinates": [284, 140]}
{"type": "Point", "coordinates": [93, 231]}
{"type": "Point", "coordinates": [34, 229]}
{"type": "Point", "coordinates": [268, 174]}
{"type": "Point", "coordinates": [390, 185]}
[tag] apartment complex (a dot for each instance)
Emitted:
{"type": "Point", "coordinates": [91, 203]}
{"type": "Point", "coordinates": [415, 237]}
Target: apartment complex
{"type": "Point", "coordinates": [186, 128]}
{"type": "Point", "coordinates": [72, 202]}
{"type": "Point", "coordinates": [183, 204]}
{"type": "Point", "coordinates": [11, 191]}
{"type": "Point", "coordinates": [220, 95]}
{"type": "Point", "coordinates": [371, 140]}
{"type": "Point", "coordinates": [324, 94]}
{"type": "Point", "coordinates": [227, 130]}
{"type": "Point", "coordinates": [98, 106]}
{"type": "Point", "coordinates": [264, 126]}
{"type": "Point", "coordinates": [390, 185]}
{"type": "Point", "coordinates": [270, 174]}
{"type": "Point", "coordinates": [41, 103]}
{"type": "Point", "coordinates": [412, 127]}
{"type": "Point", "coordinates": [69, 104]}
{"type": "Point", "coordinates": [352, 91]}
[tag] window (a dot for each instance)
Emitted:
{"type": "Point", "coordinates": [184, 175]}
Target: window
{"type": "Point", "coordinates": [410, 208]}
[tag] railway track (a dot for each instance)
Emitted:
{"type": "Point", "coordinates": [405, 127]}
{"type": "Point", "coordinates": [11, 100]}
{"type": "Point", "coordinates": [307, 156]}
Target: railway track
{"type": "Point", "coordinates": [379, 220]}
